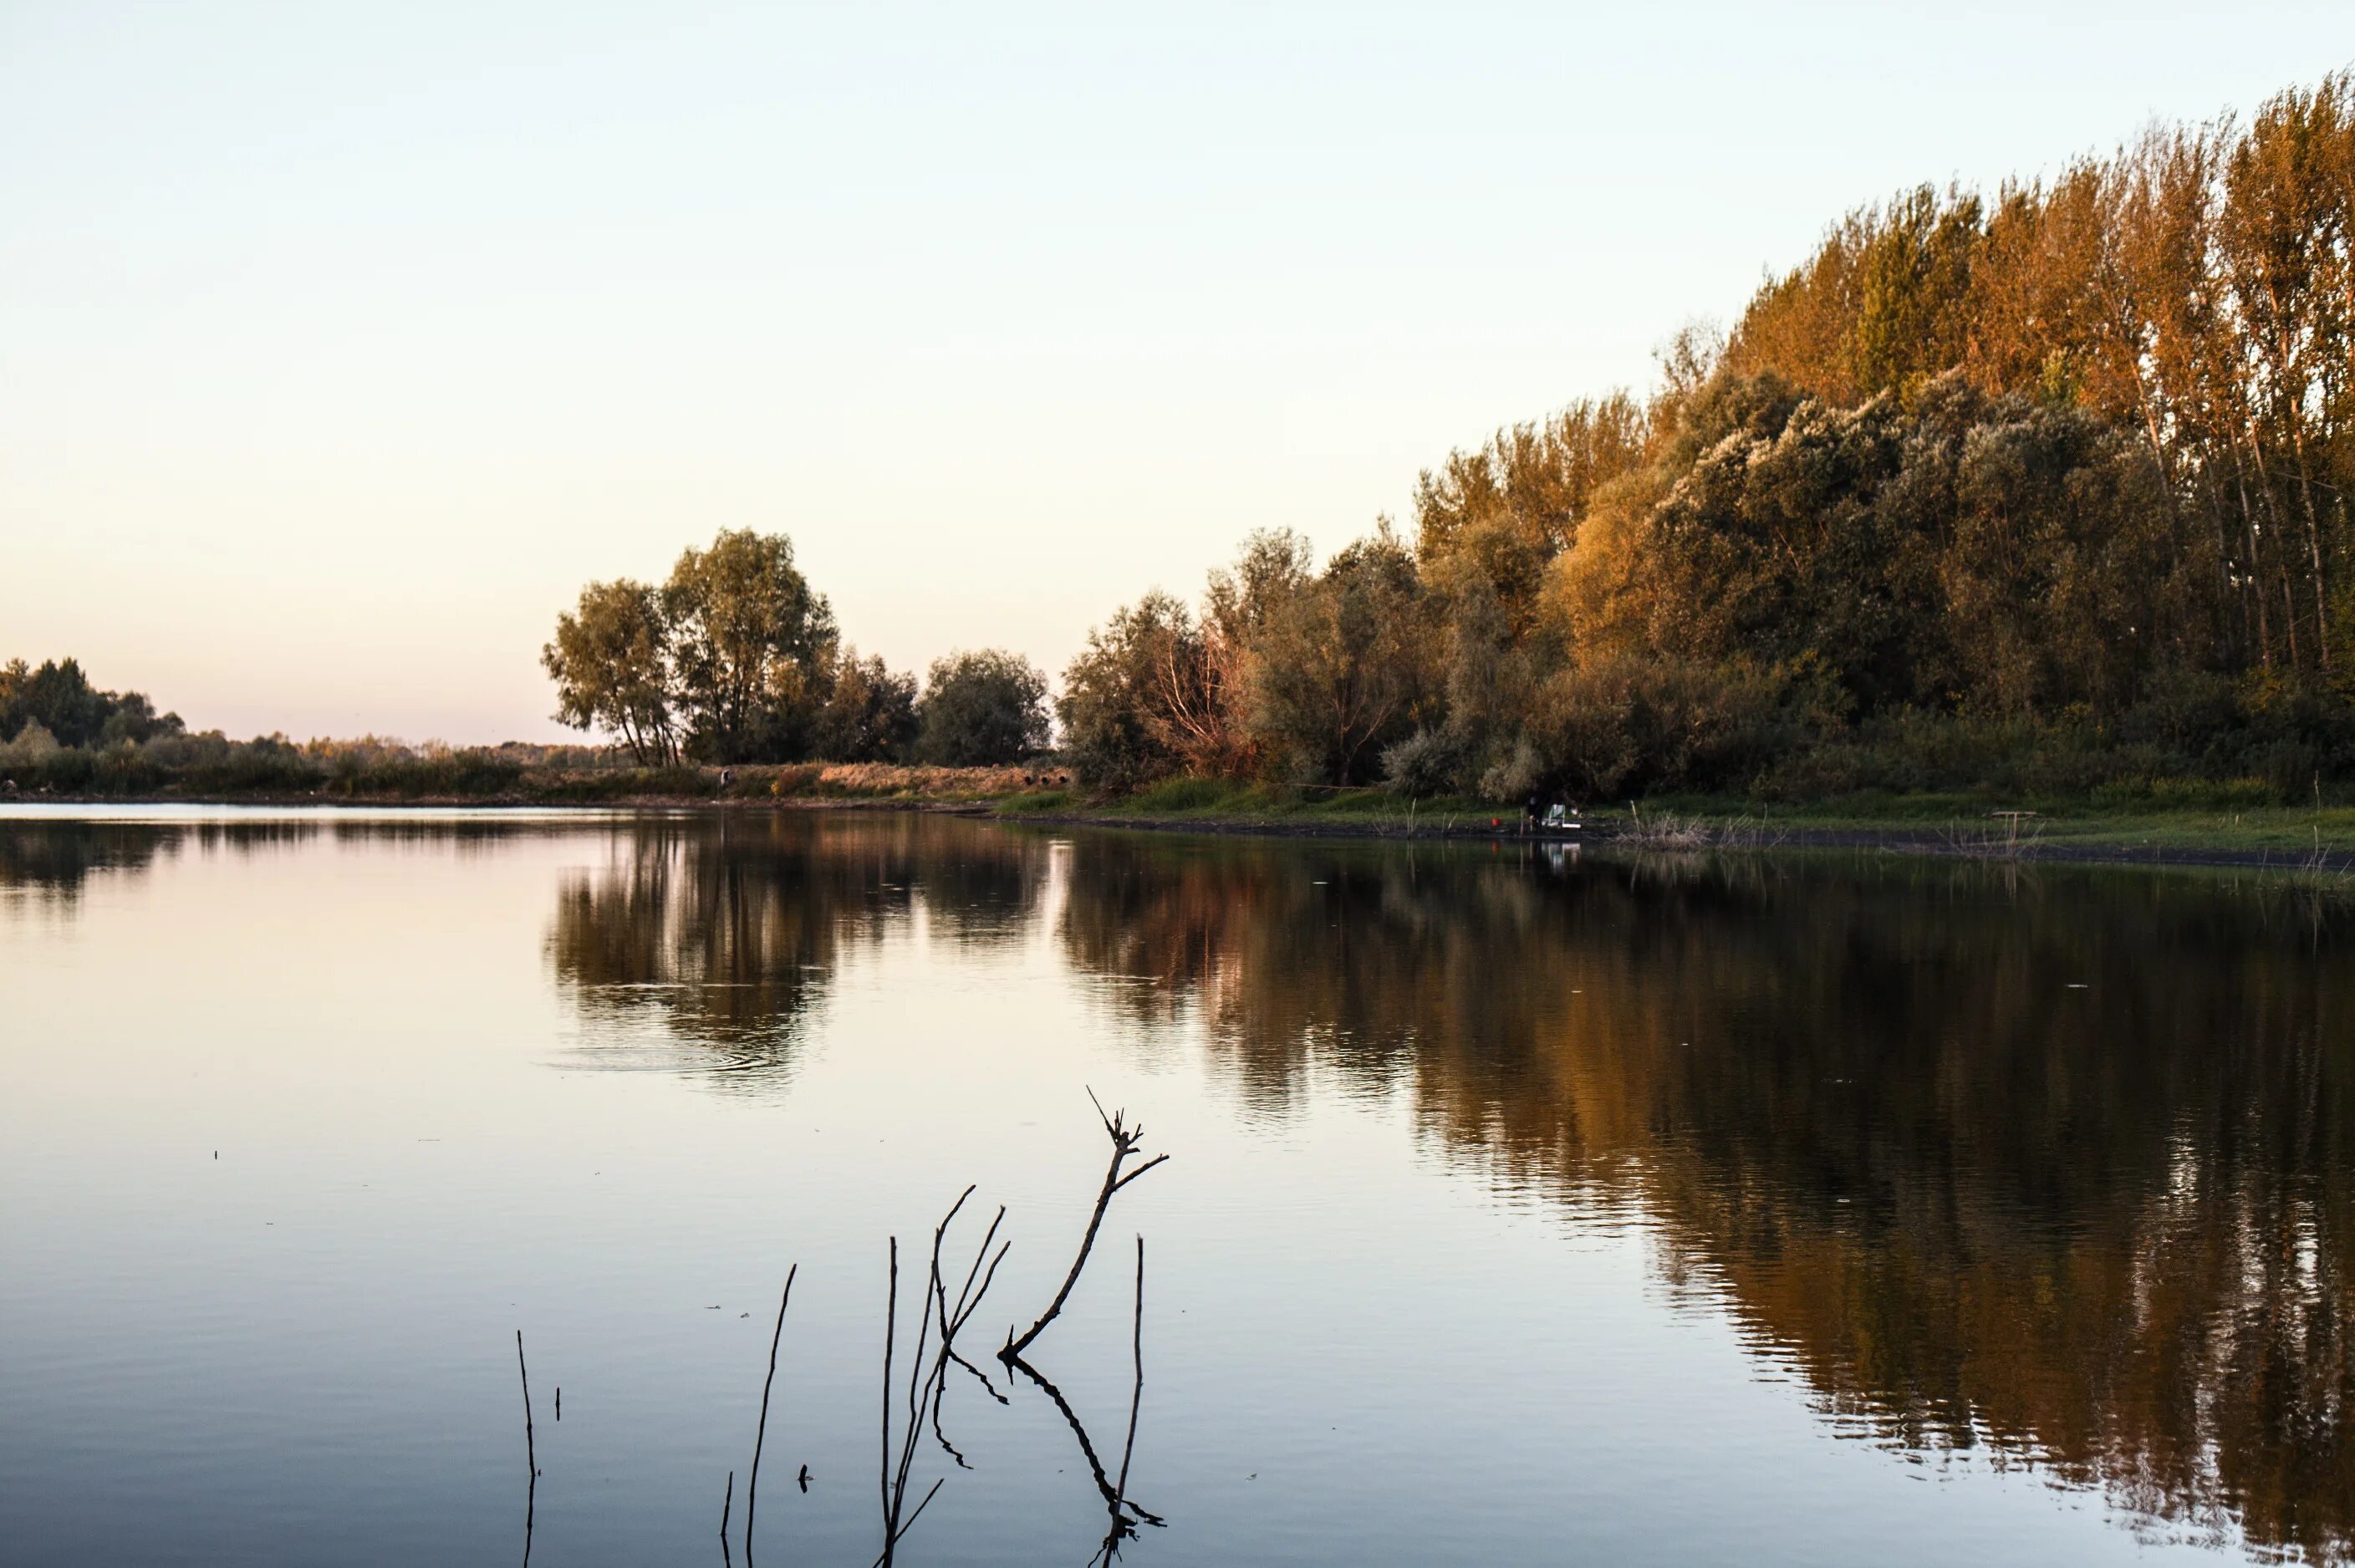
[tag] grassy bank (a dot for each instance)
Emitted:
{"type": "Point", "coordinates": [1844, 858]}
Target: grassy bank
{"type": "Point", "coordinates": [288, 776]}
{"type": "Point", "coordinates": [2185, 822]}
{"type": "Point", "coordinates": [2169, 825]}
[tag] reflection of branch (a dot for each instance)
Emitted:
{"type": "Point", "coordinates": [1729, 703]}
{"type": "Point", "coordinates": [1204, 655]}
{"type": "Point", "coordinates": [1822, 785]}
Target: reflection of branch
{"type": "Point", "coordinates": [1113, 1494]}
{"type": "Point", "coordinates": [926, 1382]}
{"type": "Point", "coordinates": [940, 1390]}
{"type": "Point", "coordinates": [984, 1376]}
{"type": "Point", "coordinates": [1072, 1417]}
{"type": "Point", "coordinates": [1125, 1140]}
{"type": "Point", "coordinates": [1126, 1515]}
{"type": "Point", "coordinates": [1125, 1528]}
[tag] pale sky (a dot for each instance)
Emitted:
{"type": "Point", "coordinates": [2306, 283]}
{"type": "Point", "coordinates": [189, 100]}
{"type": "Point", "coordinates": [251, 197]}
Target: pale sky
{"type": "Point", "coordinates": [339, 345]}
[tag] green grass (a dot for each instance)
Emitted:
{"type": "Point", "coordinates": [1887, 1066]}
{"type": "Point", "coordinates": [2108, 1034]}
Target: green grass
{"type": "Point", "coordinates": [2181, 819]}
{"type": "Point", "coordinates": [2154, 820]}
{"type": "Point", "coordinates": [1035, 801]}
{"type": "Point", "coordinates": [1211, 801]}
{"type": "Point", "coordinates": [1175, 797]}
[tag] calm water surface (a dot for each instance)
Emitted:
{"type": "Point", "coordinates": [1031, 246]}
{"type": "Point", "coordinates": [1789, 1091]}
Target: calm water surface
{"type": "Point", "coordinates": [1521, 1209]}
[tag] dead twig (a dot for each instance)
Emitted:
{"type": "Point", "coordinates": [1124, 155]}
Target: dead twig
{"type": "Point", "coordinates": [760, 1433]}
{"type": "Point", "coordinates": [891, 1338]}
{"type": "Point", "coordinates": [530, 1453]}
{"type": "Point", "coordinates": [1125, 1140]}
{"type": "Point", "coordinates": [953, 1318]}
{"type": "Point", "coordinates": [927, 1380]}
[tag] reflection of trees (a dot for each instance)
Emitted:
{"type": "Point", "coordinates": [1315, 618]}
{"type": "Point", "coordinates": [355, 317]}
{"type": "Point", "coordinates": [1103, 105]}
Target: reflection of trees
{"type": "Point", "coordinates": [53, 860]}
{"type": "Point", "coordinates": [726, 929]}
{"type": "Point", "coordinates": [2107, 1228]}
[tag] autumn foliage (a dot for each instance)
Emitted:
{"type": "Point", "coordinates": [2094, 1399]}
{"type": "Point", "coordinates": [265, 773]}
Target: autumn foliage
{"type": "Point", "coordinates": [2045, 488]}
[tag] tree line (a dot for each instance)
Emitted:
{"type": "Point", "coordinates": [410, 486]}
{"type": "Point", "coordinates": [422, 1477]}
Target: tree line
{"type": "Point", "coordinates": [2042, 487]}
{"type": "Point", "coordinates": [735, 658]}
{"type": "Point", "coordinates": [55, 705]}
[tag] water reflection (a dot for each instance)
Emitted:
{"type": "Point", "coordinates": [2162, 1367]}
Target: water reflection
{"type": "Point", "coordinates": [727, 930]}
{"type": "Point", "coordinates": [2049, 1167]}
{"type": "Point", "coordinates": [2056, 1168]}
{"type": "Point", "coordinates": [51, 862]}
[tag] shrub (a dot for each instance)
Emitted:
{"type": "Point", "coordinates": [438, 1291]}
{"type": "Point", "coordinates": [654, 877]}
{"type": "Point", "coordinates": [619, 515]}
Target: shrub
{"type": "Point", "coordinates": [1428, 762]}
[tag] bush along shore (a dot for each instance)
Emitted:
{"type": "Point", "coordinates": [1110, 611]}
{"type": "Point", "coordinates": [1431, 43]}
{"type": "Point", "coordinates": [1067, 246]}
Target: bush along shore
{"type": "Point", "coordinates": [2220, 830]}
{"type": "Point", "coordinates": [2221, 825]}
{"type": "Point", "coordinates": [272, 770]}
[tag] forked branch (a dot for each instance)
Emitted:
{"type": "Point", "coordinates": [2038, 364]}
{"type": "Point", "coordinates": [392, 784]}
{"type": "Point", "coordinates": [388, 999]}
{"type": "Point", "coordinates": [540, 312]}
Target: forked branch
{"type": "Point", "coordinates": [1125, 1140]}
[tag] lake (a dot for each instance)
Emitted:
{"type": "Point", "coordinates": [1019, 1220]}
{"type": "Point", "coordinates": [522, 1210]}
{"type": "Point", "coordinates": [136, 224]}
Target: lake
{"type": "Point", "coordinates": [1522, 1207]}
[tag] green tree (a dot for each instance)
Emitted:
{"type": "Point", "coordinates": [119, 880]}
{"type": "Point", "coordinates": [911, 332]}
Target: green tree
{"type": "Point", "coordinates": [749, 643]}
{"type": "Point", "coordinates": [60, 699]}
{"type": "Point", "coordinates": [1130, 698]}
{"type": "Point", "coordinates": [1346, 667]}
{"type": "Point", "coordinates": [870, 714]}
{"type": "Point", "coordinates": [611, 661]}
{"type": "Point", "coordinates": [2064, 580]}
{"type": "Point", "coordinates": [1160, 691]}
{"type": "Point", "coordinates": [982, 708]}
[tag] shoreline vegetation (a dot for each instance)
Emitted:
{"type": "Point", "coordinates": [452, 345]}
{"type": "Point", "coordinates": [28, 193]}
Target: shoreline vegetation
{"type": "Point", "coordinates": [2037, 499]}
{"type": "Point", "coordinates": [2221, 829]}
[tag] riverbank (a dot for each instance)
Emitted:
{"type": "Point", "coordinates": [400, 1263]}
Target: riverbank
{"type": "Point", "coordinates": [2311, 840]}
{"type": "Point", "coordinates": [2278, 838]}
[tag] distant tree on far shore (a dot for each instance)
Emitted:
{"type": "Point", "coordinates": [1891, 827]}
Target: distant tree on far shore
{"type": "Point", "coordinates": [611, 661]}
{"type": "Point", "coordinates": [60, 699]}
{"type": "Point", "coordinates": [735, 658]}
{"type": "Point", "coordinates": [982, 708]}
{"type": "Point", "coordinates": [870, 713]}
{"type": "Point", "coordinates": [750, 645]}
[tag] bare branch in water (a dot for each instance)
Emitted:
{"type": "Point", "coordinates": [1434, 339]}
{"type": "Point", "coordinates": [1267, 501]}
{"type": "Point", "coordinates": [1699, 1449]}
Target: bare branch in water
{"type": "Point", "coordinates": [531, 1454]}
{"type": "Point", "coordinates": [968, 1298]}
{"type": "Point", "coordinates": [891, 1335]}
{"type": "Point", "coordinates": [760, 1437]}
{"type": "Point", "coordinates": [1125, 1140]}
{"type": "Point", "coordinates": [907, 1412]}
